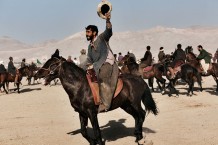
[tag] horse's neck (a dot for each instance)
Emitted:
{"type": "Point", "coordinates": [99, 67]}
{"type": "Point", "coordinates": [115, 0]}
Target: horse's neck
{"type": "Point", "coordinates": [69, 77]}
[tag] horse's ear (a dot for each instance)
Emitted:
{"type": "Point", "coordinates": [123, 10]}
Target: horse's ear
{"type": "Point", "coordinates": [56, 54]}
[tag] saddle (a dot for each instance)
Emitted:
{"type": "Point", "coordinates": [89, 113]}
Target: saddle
{"type": "Point", "coordinates": [177, 67]}
{"type": "Point", "coordinates": [93, 83]}
{"type": "Point", "coordinates": [147, 69]}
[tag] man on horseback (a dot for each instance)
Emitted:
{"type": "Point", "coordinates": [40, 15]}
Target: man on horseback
{"type": "Point", "coordinates": [161, 55]}
{"type": "Point", "coordinates": [23, 63]}
{"type": "Point", "coordinates": [102, 59]}
{"type": "Point", "coordinates": [147, 59]}
{"type": "Point", "coordinates": [12, 69]}
{"type": "Point", "coordinates": [179, 58]}
{"type": "Point", "coordinates": [205, 58]}
{"type": "Point", "coordinates": [131, 54]}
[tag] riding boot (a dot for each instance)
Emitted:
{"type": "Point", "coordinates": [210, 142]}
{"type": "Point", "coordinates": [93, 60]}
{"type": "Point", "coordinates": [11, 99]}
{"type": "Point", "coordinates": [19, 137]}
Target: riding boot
{"type": "Point", "coordinates": [106, 97]}
{"type": "Point", "coordinates": [108, 75]}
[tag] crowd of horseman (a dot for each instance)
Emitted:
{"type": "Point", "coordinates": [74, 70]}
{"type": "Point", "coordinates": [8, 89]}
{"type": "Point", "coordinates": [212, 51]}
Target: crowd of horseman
{"type": "Point", "coordinates": [12, 69]}
{"type": "Point", "coordinates": [179, 55]}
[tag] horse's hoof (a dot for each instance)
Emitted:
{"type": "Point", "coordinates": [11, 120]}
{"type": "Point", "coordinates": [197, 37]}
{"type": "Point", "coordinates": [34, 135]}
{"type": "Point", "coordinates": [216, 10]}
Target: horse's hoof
{"type": "Point", "coordinates": [162, 92]}
{"type": "Point", "coordinates": [145, 142]}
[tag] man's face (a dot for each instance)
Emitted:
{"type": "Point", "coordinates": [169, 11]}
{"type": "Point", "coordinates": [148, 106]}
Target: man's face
{"type": "Point", "coordinates": [89, 35]}
{"type": "Point", "coordinates": [199, 49]}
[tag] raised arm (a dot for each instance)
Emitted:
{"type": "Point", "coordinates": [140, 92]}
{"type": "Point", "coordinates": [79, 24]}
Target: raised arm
{"type": "Point", "coordinates": [108, 32]}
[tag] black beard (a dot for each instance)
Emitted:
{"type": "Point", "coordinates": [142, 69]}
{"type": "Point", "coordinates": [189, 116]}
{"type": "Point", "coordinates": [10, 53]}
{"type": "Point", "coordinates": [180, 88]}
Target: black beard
{"type": "Point", "coordinates": [89, 38]}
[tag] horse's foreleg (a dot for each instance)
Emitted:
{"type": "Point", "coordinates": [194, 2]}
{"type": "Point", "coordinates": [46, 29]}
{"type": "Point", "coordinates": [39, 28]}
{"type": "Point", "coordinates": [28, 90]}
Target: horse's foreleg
{"type": "Point", "coordinates": [215, 78]}
{"type": "Point", "coordinates": [4, 88]}
{"type": "Point", "coordinates": [97, 132]}
{"type": "Point", "coordinates": [150, 83]}
{"type": "Point", "coordinates": [84, 123]}
{"type": "Point", "coordinates": [7, 85]}
{"type": "Point", "coordinates": [18, 87]}
{"type": "Point", "coordinates": [162, 81]}
{"type": "Point", "coordinates": [190, 89]}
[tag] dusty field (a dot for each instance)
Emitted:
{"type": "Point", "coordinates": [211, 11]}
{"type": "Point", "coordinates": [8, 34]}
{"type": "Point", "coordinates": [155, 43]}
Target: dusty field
{"type": "Point", "coordinates": [43, 116]}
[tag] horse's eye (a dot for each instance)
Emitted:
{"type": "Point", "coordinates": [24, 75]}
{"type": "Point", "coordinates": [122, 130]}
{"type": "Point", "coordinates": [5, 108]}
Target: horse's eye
{"type": "Point", "coordinates": [51, 72]}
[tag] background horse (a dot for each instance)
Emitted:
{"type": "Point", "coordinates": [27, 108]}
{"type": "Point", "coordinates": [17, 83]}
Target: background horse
{"type": "Point", "coordinates": [7, 78]}
{"type": "Point", "coordinates": [189, 74]}
{"type": "Point", "coordinates": [214, 73]}
{"type": "Point", "coordinates": [75, 83]}
{"type": "Point", "coordinates": [32, 71]}
{"type": "Point", "coordinates": [155, 71]}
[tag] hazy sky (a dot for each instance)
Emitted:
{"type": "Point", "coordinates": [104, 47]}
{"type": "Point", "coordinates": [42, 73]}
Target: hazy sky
{"type": "Point", "coordinates": [33, 21]}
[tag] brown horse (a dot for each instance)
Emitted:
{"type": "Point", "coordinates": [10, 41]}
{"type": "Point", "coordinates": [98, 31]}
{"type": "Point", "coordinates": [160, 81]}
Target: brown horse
{"type": "Point", "coordinates": [214, 73]}
{"type": "Point", "coordinates": [75, 83]}
{"type": "Point", "coordinates": [154, 71]}
{"type": "Point", "coordinates": [192, 60]}
{"type": "Point", "coordinates": [6, 78]}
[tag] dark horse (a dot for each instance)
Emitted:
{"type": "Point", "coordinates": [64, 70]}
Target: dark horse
{"type": "Point", "coordinates": [155, 71]}
{"type": "Point", "coordinates": [6, 78]}
{"type": "Point", "coordinates": [189, 74]}
{"type": "Point", "coordinates": [75, 83]}
{"type": "Point", "coordinates": [32, 71]}
{"type": "Point", "coordinates": [192, 60]}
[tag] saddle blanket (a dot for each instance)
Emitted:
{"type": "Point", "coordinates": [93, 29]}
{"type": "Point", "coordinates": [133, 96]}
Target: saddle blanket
{"type": "Point", "coordinates": [147, 69]}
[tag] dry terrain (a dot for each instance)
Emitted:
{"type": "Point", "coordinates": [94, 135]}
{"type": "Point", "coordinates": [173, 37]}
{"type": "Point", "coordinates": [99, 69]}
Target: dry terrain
{"type": "Point", "coordinates": [42, 115]}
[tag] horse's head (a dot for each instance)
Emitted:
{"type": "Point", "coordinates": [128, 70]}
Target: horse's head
{"type": "Point", "coordinates": [124, 59]}
{"type": "Point", "coordinates": [50, 69]}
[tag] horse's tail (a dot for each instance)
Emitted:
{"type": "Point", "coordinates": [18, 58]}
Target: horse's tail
{"type": "Point", "coordinates": [149, 102]}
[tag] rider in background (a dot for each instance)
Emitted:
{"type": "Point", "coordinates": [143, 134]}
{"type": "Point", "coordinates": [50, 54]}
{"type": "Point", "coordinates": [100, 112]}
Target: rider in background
{"type": "Point", "coordinates": [12, 69]}
{"type": "Point", "coordinates": [178, 56]}
{"type": "Point", "coordinates": [23, 63]}
{"type": "Point", "coordinates": [205, 58]}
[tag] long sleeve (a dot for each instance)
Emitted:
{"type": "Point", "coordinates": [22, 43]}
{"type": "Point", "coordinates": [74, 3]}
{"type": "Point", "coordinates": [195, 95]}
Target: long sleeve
{"type": "Point", "coordinates": [201, 55]}
{"type": "Point", "coordinates": [108, 31]}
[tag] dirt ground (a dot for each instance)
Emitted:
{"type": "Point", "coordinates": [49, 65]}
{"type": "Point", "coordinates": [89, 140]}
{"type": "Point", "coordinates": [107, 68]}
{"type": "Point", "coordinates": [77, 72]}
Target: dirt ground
{"type": "Point", "coordinates": [42, 115]}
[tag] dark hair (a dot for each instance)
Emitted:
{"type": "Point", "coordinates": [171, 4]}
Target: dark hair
{"type": "Point", "coordinates": [179, 46]}
{"type": "Point", "coordinates": [161, 48]}
{"type": "Point", "coordinates": [199, 46]}
{"type": "Point", "coordinates": [120, 53]}
{"type": "Point", "coordinates": [93, 28]}
{"type": "Point", "coordinates": [148, 47]}
{"type": "Point", "coordinates": [10, 58]}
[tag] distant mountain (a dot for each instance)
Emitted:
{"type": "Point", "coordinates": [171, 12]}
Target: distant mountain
{"type": "Point", "coordinates": [120, 42]}
{"type": "Point", "coordinates": [10, 44]}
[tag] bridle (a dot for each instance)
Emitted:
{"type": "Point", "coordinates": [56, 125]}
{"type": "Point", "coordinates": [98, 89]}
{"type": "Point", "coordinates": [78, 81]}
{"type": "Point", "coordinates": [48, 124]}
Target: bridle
{"type": "Point", "coordinates": [51, 71]}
